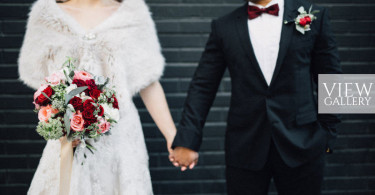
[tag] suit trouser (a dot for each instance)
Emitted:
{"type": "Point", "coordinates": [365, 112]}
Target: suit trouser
{"type": "Point", "coordinates": [306, 179]}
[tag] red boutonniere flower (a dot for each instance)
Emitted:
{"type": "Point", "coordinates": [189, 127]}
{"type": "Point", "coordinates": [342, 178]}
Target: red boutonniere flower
{"type": "Point", "coordinates": [304, 19]}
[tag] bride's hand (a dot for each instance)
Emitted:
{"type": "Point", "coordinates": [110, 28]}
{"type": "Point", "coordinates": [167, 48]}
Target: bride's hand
{"type": "Point", "coordinates": [170, 151]}
{"type": "Point", "coordinates": [75, 143]}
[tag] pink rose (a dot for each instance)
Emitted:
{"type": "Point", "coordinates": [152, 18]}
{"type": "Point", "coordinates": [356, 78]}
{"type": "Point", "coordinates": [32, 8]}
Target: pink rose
{"type": "Point", "coordinates": [37, 106]}
{"type": "Point", "coordinates": [46, 112]}
{"type": "Point", "coordinates": [104, 125]}
{"type": "Point", "coordinates": [76, 122]}
{"type": "Point", "coordinates": [55, 78]}
{"type": "Point", "coordinates": [82, 75]}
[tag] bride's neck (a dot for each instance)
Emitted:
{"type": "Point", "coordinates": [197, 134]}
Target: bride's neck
{"type": "Point", "coordinates": [88, 3]}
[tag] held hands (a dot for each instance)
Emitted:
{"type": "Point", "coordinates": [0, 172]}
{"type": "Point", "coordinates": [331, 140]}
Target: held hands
{"type": "Point", "coordinates": [184, 158]}
{"type": "Point", "coordinates": [180, 156]}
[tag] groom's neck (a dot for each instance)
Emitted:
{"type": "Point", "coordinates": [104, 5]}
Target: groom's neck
{"type": "Point", "coordinates": [261, 2]}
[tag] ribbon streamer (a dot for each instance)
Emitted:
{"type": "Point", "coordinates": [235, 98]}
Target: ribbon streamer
{"type": "Point", "coordinates": [66, 162]}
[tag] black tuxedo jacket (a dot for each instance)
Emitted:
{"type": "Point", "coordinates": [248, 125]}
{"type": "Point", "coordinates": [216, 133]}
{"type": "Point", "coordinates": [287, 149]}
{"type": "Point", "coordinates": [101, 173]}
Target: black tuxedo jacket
{"type": "Point", "coordinates": [285, 111]}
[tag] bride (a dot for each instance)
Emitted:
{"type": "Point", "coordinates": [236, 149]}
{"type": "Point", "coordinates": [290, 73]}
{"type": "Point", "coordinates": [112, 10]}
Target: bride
{"type": "Point", "coordinates": [116, 39]}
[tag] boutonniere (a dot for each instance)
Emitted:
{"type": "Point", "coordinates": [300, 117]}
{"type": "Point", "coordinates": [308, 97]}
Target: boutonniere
{"type": "Point", "coordinates": [304, 19]}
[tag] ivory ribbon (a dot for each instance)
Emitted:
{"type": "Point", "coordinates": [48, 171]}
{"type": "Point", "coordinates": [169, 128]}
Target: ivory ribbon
{"type": "Point", "coordinates": [66, 161]}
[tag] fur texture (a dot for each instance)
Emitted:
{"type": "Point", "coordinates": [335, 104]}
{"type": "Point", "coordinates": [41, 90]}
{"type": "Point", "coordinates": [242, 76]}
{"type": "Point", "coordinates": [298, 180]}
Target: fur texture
{"type": "Point", "coordinates": [126, 46]}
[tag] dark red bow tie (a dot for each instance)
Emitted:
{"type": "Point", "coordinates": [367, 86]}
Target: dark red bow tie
{"type": "Point", "coordinates": [255, 11]}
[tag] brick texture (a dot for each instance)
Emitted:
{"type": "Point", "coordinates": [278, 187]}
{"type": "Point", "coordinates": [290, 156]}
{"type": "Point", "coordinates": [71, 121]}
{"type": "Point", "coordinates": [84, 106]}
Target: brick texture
{"type": "Point", "coordinates": [183, 27]}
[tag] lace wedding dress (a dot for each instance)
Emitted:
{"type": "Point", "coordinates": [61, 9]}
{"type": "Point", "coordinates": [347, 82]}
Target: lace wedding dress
{"type": "Point", "coordinates": [124, 48]}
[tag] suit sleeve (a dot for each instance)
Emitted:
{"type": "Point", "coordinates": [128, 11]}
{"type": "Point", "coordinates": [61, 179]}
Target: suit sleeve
{"type": "Point", "coordinates": [325, 60]}
{"type": "Point", "coordinates": [201, 94]}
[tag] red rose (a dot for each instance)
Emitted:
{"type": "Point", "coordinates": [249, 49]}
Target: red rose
{"type": "Point", "coordinates": [91, 84]}
{"type": "Point", "coordinates": [95, 93]}
{"type": "Point", "coordinates": [89, 117]}
{"type": "Point", "coordinates": [114, 103]}
{"type": "Point", "coordinates": [308, 20]}
{"type": "Point", "coordinates": [302, 22]}
{"type": "Point", "coordinates": [88, 106]}
{"type": "Point", "coordinates": [79, 82]}
{"type": "Point", "coordinates": [88, 112]}
{"type": "Point", "coordinates": [101, 112]}
{"type": "Point", "coordinates": [88, 102]}
{"type": "Point", "coordinates": [43, 100]}
{"type": "Point", "coordinates": [76, 102]}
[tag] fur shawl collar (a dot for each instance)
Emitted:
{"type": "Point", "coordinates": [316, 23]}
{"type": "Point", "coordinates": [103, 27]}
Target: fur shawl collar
{"type": "Point", "coordinates": [125, 46]}
{"type": "Point", "coordinates": [129, 13]}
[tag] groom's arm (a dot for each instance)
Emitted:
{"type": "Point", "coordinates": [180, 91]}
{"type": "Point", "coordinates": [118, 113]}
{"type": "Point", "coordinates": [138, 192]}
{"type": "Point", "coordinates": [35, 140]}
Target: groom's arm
{"type": "Point", "coordinates": [325, 60]}
{"type": "Point", "coordinates": [201, 94]}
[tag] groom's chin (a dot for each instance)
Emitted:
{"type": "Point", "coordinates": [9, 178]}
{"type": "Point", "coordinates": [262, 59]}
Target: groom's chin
{"type": "Point", "coordinates": [254, 1]}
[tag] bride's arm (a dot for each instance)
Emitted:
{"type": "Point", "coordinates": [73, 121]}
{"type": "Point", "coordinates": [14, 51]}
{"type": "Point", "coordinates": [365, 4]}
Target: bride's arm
{"type": "Point", "coordinates": [154, 98]}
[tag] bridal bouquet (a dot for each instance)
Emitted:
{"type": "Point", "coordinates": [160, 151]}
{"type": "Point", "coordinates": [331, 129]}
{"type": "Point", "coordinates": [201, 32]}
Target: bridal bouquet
{"type": "Point", "coordinates": [76, 104]}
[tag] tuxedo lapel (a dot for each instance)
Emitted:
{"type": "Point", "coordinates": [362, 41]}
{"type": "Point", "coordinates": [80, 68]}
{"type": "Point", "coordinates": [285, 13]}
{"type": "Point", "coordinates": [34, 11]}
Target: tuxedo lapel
{"type": "Point", "coordinates": [290, 12]}
{"type": "Point", "coordinates": [243, 32]}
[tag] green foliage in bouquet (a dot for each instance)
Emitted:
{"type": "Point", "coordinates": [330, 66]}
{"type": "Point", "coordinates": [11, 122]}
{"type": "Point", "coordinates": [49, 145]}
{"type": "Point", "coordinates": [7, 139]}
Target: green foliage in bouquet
{"type": "Point", "coordinates": [59, 97]}
{"type": "Point", "coordinates": [51, 130]}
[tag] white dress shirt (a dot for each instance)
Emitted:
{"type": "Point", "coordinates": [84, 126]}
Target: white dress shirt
{"type": "Point", "coordinates": [265, 32]}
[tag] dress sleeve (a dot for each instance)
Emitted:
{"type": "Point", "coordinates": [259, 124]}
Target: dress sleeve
{"type": "Point", "coordinates": [31, 60]}
{"type": "Point", "coordinates": [147, 63]}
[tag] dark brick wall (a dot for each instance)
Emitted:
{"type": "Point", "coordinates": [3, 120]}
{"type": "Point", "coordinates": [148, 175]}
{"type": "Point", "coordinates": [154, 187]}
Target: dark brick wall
{"type": "Point", "coordinates": [183, 27]}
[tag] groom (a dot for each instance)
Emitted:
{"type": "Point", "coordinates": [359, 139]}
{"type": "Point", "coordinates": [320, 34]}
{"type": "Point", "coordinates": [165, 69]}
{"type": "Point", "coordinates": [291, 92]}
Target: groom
{"type": "Point", "coordinates": [273, 128]}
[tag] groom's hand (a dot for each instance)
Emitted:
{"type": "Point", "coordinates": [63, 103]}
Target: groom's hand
{"type": "Point", "coordinates": [185, 158]}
